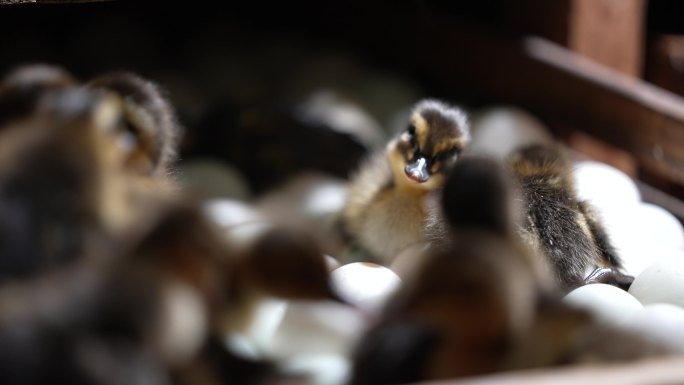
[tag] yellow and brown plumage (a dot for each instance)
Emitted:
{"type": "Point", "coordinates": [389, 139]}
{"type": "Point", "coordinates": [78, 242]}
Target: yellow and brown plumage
{"type": "Point", "coordinates": [387, 202]}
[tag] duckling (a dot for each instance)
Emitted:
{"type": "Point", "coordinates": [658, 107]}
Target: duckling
{"type": "Point", "coordinates": [469, 300]}
{"type": "Point", "coordinates": [232, 283]}
{"type": "Point", "coordinates": [22, 88]}
{"type": "Point", "coordinates": [65, 183]}
{"type": "Point", "coordinates": [149, 121]}
{"type": "Point", "coordinates": [388, 196]}
{"type": "Point", "coordinates": [563, 229]}
{"type": "Point", "coordinates": [482, 301]}
{"type": "Point", "coordinates": [71, 326]}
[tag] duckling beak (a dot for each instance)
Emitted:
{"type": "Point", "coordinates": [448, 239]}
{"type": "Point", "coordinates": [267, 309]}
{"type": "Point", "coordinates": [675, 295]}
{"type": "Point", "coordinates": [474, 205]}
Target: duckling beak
{"type": "Point", "coordinates": [417, 171]}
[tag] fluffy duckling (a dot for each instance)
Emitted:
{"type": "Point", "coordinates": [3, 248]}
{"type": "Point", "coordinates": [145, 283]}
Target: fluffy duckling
{"type": "Point", "coordinates": [386, 207]}
{"type": "Point", "coordinates": [482, 302]}
{"type": "Point", "coordinates": [469, 300]}
{"type": "Point", "coordinates": [65, 180]}
{"type": "Point", "coordinates": [22, 88]}
{"type": "Point", "coordinates": [149, 122]}
{"type": "Point", "coordinates": [563, 229]}
{"type": "Point", "coordinates": [150, 316]}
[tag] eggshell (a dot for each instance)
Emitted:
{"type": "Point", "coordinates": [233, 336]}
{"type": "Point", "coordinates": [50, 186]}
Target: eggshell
{"type": "Point", "coordinates": [606, 187]}
{"type": "Point", "coordinates": [609, 304]}
{"type": "Point", "coordinates": [663, 281]}
{"type": "Point", "coordinates": [254, 341]}
{"type": "Point", "coordinates": [324, 199]}
{"type": "Point", "coordinates": [316, 327]}
{"type": "Point", "coordinates": [321, 369]}
{"type": "Point", "coordinates": [639, 257]}
{"type": "Point", "coordinates": [363, 284]}
{"type": "Point", "coordinates": [659, 227]}
{"type": "Point", "coordinates": [230, 212]}
{"type": "Point", "coordinates": [498, 131]}
{"type": "Point", "coordinates": [661, 323]}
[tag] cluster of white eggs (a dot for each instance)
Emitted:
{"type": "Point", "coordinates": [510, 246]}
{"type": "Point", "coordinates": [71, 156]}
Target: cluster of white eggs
{"type": "Point", "coordinates": [648, 238]}
{"type": "Point", "coordinates": [650, 241]}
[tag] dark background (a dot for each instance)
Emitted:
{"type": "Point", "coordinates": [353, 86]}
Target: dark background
{"type": "Point", "coordinates": [217, 60]}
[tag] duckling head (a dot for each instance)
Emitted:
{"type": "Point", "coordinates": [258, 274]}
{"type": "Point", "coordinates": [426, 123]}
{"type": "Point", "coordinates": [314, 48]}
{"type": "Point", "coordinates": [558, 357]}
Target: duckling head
{"type": "Point", "coordinates": [478, 193]}
{"type": "Point", "coordinates": [422, 154]}
{"type": "Point", "coordinates": [22, 88]}
{"type": "Point", "coordinates": [149, 120]}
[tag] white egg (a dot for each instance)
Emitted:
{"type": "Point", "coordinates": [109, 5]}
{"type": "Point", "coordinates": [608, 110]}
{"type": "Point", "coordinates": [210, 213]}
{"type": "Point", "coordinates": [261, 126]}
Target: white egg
{"type": "Point", "coordinates": [659, 227]}
{"type": "Point", "coordinates": [366, 285]}
{"type": "Point", "coordinates": [321, 369]}
{"type": "Point", "coordinates": [662, 323]}
{"type": "Point", "coordinates": [254, 340]}
{"type": "Point", "coordinates": [325, 199]}
{"type": "Point", "coordinates": [606, 187]}
{"type": "Point", "coordinates": [213, 179]}
{"type": "Point", "coordinates": [316, 327]}
{"type": "Point", "coordinates": [623, 230]}
{"type": "Point", "coordinates": [609, 304]}
{"type": "Point", "coordinates": [639, 257]}
{"type": "Point", "coordinates": [498, 131]}
{"type": "Point", "coordinates": [663, 281]}
{"type": "Point", "coordinates": [230, 212]}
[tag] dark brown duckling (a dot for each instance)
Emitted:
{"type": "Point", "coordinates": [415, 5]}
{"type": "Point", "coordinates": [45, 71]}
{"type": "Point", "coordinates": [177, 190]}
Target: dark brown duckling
{"type": "Point", "coordinates": [562, 228]}
{"type": "Point", "coordinates": [22, 88]}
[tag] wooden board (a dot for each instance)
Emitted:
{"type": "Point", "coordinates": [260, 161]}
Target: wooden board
{"type": "Point", "coordinates": [664, 371]}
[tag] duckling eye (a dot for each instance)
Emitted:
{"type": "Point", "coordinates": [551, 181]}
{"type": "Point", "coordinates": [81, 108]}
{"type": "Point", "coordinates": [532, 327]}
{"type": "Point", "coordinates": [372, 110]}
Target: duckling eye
{"type": "Point", "coordinates": [412, 130]}
{"type": "Point", "coordinates": [446, 156]}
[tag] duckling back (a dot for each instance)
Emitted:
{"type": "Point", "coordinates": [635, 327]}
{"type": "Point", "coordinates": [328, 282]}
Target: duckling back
{"type": "Point", "coordinates": [557, 224]}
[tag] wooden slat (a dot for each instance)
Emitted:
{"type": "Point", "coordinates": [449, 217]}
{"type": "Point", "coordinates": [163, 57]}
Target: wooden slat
{"type": "Point", "coordinates": [665, 62]}
{"type": "Point", "coordinates": [667, 371]}
{"type": "Point", "coordinates": [610, 32]}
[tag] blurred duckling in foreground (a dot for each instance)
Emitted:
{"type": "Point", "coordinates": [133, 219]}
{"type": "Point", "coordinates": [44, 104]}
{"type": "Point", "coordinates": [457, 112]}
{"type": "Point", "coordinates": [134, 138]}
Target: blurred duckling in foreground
{"type": "Point", "coordinates": [482, 302]}
{"type": "Point", "coordinates": [386, 206]}
{"type": "Point", "coordinates": [150, 126]}
{"type": "Point", "coordinates": [153, 315]}
{"type": "Point", "coordinates": [66, 177]}
{"type": "Point", "coordinates": [563, 229]}
{"type": "Point", "coordinates": [22, 87]}
{"type": "Point", "coordinates": [469, 299]}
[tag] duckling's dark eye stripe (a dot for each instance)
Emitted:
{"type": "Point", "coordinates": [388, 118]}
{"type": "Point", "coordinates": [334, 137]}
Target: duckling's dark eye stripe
{"type": "Point", "coordinates": [447, 154]}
